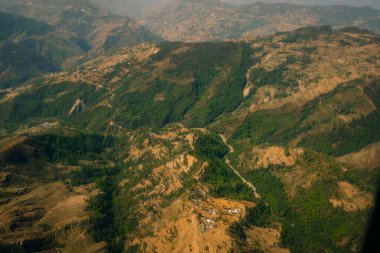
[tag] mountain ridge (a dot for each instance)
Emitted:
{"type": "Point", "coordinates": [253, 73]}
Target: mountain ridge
{"type": "Point", "coordinates": [44, 39]}
{"type": "Point", "coordinates": [19, 64]}
{"type": "Point", "coordinates": [132, 151]}
{"type": "Point", "coordinates": [102, 31]}
{"type": "Point", "coordinates": [369, 3]}
{"type": "Point", "coordinates": [249, 132]}
{"type": "Point", "coordinates": [197, 21]}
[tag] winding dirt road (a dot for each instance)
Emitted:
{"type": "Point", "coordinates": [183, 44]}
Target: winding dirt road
{"type": "Point", "coordinates": [245, 181]}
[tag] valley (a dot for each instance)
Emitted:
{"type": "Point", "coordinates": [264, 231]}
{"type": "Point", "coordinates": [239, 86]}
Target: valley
{"type": "Point", "coordinates": [68, 32]}
{"type": "Point", "coordinates": [140, 181]}
{"type": "Point", "coordinates": [200, 126]}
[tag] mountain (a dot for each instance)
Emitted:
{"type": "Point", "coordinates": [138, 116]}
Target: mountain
{"type": "Point", "coordinates": [102, 31]}
{"type": "Point", "coordinates": [193, 20]}
{"type": "Point", "coordinates": [355, 3]}
{"type": "Point", "coordinates": [59, 34]}
{"type": "Point", "coordinates": [131, 8]}
{"type": "Point", "coordinates": [58, 45]}
{"type": "Point", "coordinates": [139, 8]}
{"type": "Point", "coordinates": [186, 20]}
{"type": "Point", "coordinates": [217, 141]}
{"type": "Point", "coordinates": [188, 81]}
{"type": "Point", "coordinates": [19, 64]}
{"type": "Point", "coordinates": [228, 146]}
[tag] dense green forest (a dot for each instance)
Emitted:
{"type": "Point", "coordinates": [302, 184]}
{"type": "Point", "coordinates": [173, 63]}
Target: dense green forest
{"type": "Point", "coordinates": [207, 80]}
{"type": "Point", "coordinates": [19, 64]}
{"type": "Point", "coordinates": [126, 136]}
{"type": "Point", "coordinates": [223, 181]}
{"type": "Point", "coordinates": [69, 149]}
{"type": "Point", "coordinates": [282, 125]}
{"type": "Point", "coordinates": [309, 222]}
{"type": "Point", "coordinates": [354, 136]}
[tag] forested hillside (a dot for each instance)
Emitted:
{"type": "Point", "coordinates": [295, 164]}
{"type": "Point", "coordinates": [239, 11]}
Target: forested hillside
{"type": "Point", "coordinates": [18, 64]}
{"type": "Point", "coordinates": [267, 144]}
{"type": "Point", "coordinates": [188, 125]}
{"type": "Point", "coordinates": [68, 31]}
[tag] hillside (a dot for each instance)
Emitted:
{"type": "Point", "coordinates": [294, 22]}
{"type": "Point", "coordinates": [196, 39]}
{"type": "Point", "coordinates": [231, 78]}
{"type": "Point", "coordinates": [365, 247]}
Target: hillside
{"type": "Point", "coordinates": [239, 146]}
{"type": "Point", "coordinates": [148, 85]}
{"type": "Point", "coordinates": [63, 33]}
{"type": "Point", "coordinates": [58, 45]}
{"type": "Point", "coordinates": [186, 20]}
{"type": "Point", "coordinates": [195, 83]}
{"type": "Point", "coordinates": [139, 8]}
{"type": "Point", "coordinates": [134, 8]}
{"type": "Point", "coordinates": [355, 3]}
{"type": "Point", "coordinates": [18, 64]}
{"type": "Point", "coordinates": [150, 182]}
{"type": "Point", "coordinates": [101, 30]}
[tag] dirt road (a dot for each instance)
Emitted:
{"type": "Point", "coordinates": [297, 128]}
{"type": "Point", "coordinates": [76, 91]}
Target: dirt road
{"type": "Point", "coordinates": [246, 182]}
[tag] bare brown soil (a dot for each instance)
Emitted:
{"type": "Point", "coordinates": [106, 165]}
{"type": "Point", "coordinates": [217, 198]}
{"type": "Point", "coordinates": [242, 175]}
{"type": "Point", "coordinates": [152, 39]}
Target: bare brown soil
{"type": "Point", "coordinates": [351, 198]}
{"type": "Point", "coordinates": [266, 239]}
{"type": "Point", "coordinates": [367, 158]}
{"type": "Point", "coordinates": [263, 157]}
{"type": "Point", "coordinates": [192, 225]}
{"type": "Point", "coordinates": [51, 206]}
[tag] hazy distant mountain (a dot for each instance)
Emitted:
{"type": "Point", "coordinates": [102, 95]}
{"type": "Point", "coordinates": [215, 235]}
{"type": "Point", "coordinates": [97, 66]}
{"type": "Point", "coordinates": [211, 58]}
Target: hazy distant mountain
{"type": "Point", "coordinates": [56, 44]}
{"type": "Point", "coordinates": [131, 8]}
{"type": "Point", "coordinates": [101, 29]}
{"type": "Point", "coordinates": [197, 20]}
{"type": "Point", "coordinates": [194, 20]}
{"type": "Point", "coordinates": [18, 64]}
{"type": "Point", "coordinates": [58, 33]}
{"type": "Point", "coordinates": [138, 8]}
{"type": "Point", "coordinates": [356, 3]}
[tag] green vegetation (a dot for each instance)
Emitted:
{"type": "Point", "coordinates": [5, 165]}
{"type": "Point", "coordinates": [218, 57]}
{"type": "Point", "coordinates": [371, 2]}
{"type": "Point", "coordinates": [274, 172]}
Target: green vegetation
{"type": "Point", "coordinates": [103, 222]}
{"type": "Point", "coordinates": [114, 216]}
{"type": "Point", "coordinates": [204, 80]}
{"type": "Point", "coordinates": [53, 148]}
{"type": "Point", "coordinates": [309, 222]}
{"type": "Point", "coordinates": [14, 155]}
{"type": "Point", "coordinates": [196, 84]}
{"type": "Point", "coordinates": [13, 24]}
{"type": "Point", "coordinates": [346, 138]}
{"type": "Point", "coordinates": [277, 76]}
{"type": "Point", "coordinates": [165, 49]}
{"type": "Point", "coordinates": [206, 63]}
{"type": "Point", "coordinates": [210, 146]}
{"type": "Point", "coordinates": [51, 101]}
{"type": "Point", "coordinates": [58, 147]}
{"type": "Point", "coordinates": [18, 64]}
{"type": "Point", "coordinates": [90, 174]}
{"type": "Point", "coordinates": [282, 125]}
{"type": "Point", "coordinates": [237, 230]}
{"type": "Point", "coordinates": [273, 193]}
{"type": "Point", "coordinates": [260, 216]}
{"type": "Point", "coordinates": [223, 181]}
{"type": "Point", "coordinates": [307, 33]}
{"type": "Point", "coordinates": [149, 111]}
{"type": "Point", "coordinates": [277, 127]}
{"type": "Point", "coordinates": [319, 229]}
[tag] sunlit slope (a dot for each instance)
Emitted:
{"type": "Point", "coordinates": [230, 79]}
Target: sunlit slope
{"type": "Point", "coordinates": [195, 20]}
